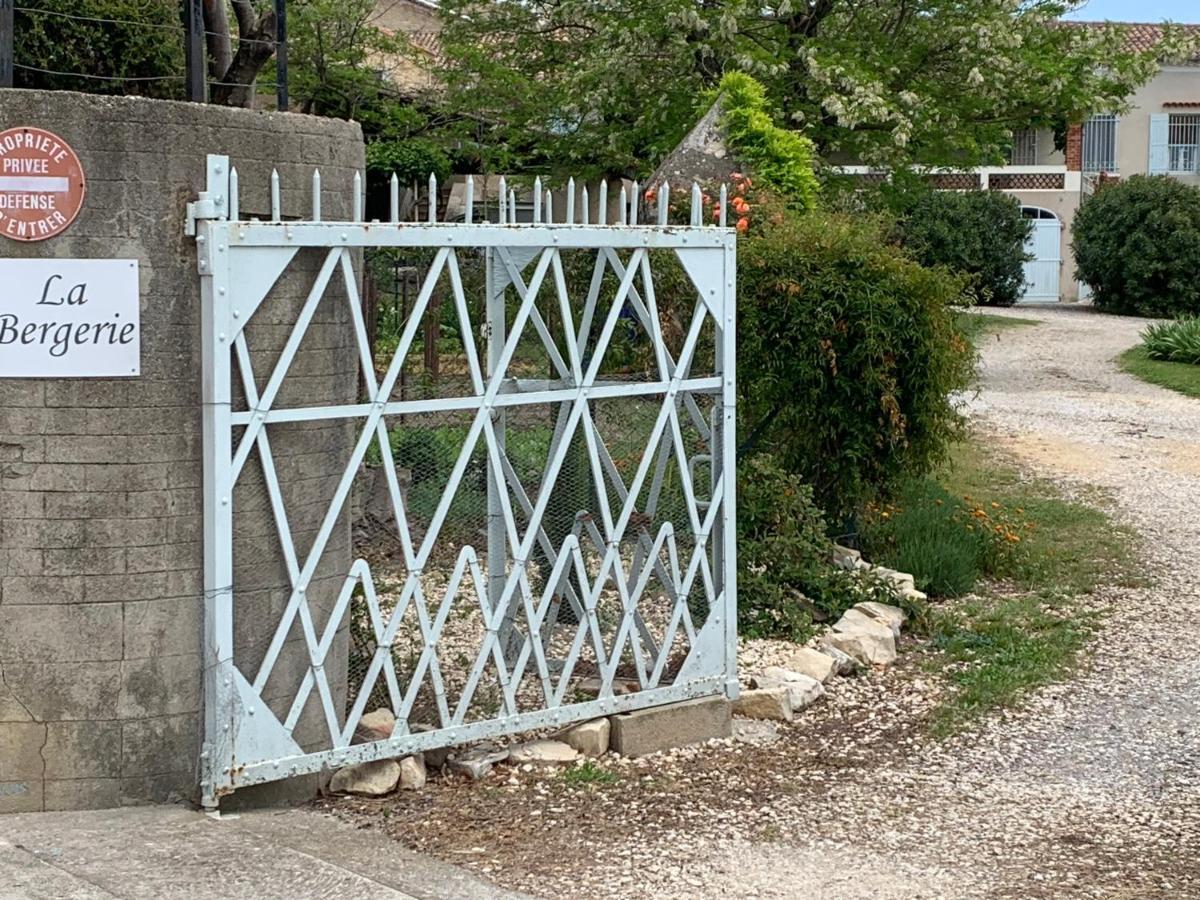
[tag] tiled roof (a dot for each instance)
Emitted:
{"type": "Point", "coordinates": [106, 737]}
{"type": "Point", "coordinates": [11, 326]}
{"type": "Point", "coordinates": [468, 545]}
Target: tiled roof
{"type": "Point", "coordinates": [1140, 36]}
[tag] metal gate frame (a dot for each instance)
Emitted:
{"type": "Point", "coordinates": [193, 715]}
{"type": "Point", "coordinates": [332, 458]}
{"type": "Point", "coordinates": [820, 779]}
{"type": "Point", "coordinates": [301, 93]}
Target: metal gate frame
{"type": "Point", "coordinates": [239, 261]}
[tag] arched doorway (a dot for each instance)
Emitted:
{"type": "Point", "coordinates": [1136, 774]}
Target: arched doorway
{"type": "Point", "coordinates": [1044, 246]}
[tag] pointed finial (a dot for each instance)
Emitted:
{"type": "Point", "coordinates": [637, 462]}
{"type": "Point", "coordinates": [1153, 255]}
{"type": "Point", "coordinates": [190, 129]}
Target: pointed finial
{"type": "Point", "coordinates": [432, 197]}
{"type": "Point", "coordinates": [358, 198]}
{"type": "Point", "coordinates": [724, 195]}
{"type": "Point", "coordinates": [624, 206]}
{"type": "Point", "coordinates": [233, 194]}
{"type": "Point", "coordinates": [537, 200]}
{"type": "Point", "coordinates": [316, 195]}
{"type": "Point", "coordinates": [602, 205]}
{"type": "Point", "coordinates": [512, 206]}
{"type": "Point", "coordinates": [583, 201]}
{"type": "Point", "coordinates": [470, 216]}
{"type": "Point", "coordinates": [633, 206]}
{"type": "Point", "coordinates": [570, 219]}
{"type": "Point", "coordinates": [664, 199]}
{"type": "Point", "coordinates": [549, 207]}
{"type": "Point", "coordinates": [697, 205]}
{"type": "Point", "coordinates": [395, 198]}
{"type": "Point", "coordinates": [276, 206]}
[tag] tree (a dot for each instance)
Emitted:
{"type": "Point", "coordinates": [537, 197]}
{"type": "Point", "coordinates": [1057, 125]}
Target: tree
{"type": "Point", "coordinates": [612, 85]}
{"type": "Point", "coordinates": [232, 73]}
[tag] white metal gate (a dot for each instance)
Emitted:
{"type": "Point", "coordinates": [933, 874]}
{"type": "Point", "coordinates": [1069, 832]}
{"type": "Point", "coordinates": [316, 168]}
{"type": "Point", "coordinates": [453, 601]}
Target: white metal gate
{"type": "Point", "coordinates": [632, 606]}
{"type": "Point", "coordinates": [1044, 245]}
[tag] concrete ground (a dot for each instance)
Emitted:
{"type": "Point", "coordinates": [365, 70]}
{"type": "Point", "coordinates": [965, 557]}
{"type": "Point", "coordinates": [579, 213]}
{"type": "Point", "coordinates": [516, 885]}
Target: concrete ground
{"type": "Point", "coordinates": [170, 851]}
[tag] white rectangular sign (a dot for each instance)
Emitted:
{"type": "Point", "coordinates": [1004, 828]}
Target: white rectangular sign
{"type": "Point", "coordinates": [69, 318]}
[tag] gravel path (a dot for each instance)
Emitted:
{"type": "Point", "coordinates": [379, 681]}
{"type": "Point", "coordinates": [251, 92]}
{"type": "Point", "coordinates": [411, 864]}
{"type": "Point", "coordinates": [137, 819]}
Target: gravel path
{"type": "Point", "coordinates": [1092, 789]}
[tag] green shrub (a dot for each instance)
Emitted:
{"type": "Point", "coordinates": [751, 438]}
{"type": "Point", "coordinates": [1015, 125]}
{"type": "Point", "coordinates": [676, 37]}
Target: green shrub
{"type": "Point", "coordinates": [780, 158]}
{"type": "Point", "coordinates": [980, 234]}
{"type": "Point", "coordinates": [848, 355]}
{"type": "Point", "coordinates": [786, 576]}
{"type": "Point", "coordinates": [1137, 243]}
{"type": "Point", "coordinates": [1177, 341]}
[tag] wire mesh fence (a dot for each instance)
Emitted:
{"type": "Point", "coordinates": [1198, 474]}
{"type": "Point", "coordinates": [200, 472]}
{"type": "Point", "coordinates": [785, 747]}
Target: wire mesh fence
{"type": "Point", "coordinates": [147, 47]}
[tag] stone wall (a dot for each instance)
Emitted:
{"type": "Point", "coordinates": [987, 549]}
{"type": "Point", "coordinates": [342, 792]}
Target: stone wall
{"type": "Point", "coordinates": [101, 605]}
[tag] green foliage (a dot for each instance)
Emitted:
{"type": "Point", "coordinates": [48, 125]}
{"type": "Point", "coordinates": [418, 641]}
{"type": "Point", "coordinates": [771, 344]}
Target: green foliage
{"type": "Point", "coordinates": [786, 576]}
{"type": "Point", "coordinates": [849, 354]}
{"type": "Point", "coordinates": [151, 50]}
{"type": "Point", "coordinates": [412, 160]}
{"type": "Point", "coordinates": [980, 234]}
{"type": "Point", "coordinates": [1177, 341]}
{"type": "Point", "coordinates": [588, 772]}
{"type": "Point", "coordinates": [945, 542]}
{"type": "Point", "coordinates": [1137, 243]}
{"type": "Point", "coordinates": [976, 326]}
{"type": "Point", "coordinates": [592, 86]}
{"type": "Point", "coordinates": [780, 159]}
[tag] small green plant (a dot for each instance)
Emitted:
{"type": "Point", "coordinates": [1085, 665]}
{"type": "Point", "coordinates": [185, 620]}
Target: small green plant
{"type": "Point", "coordinates": [1177, 341]}
{"type": "Point", "coordinates": [1175, 376]}
{"type": "Point", "coordinates": [588, 772]}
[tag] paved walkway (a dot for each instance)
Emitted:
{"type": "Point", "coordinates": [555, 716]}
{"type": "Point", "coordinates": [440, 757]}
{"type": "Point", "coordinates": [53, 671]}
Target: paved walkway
{"type": "Point", "coordinates": [149, 853]}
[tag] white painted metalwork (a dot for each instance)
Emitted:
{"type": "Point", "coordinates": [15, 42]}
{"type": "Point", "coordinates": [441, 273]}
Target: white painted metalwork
{"type": "Point", "coordinates": [1044, 247]}
{"type": "Point", "coordinates": [644, 585]}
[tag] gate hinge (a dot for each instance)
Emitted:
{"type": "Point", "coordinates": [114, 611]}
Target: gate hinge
{"type": "Point", "coordinates": [210, 203]}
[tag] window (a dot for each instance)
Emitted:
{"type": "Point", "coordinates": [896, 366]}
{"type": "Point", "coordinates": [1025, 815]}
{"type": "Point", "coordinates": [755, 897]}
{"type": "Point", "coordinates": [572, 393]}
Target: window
{"type": "Point", "coordinates": [1100, 144]}
{"type": "Point", "coordinates": [1024, 147]}
{"type": "Point", "coordinates": [1183, 143]}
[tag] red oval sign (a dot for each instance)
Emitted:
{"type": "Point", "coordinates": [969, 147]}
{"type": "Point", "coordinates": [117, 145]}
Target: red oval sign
{"type": "Point", "coordinates": [41, 184]}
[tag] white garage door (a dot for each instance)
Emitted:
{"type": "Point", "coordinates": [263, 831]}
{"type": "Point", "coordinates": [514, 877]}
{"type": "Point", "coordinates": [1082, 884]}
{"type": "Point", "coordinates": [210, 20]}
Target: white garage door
{"type": "Point", "coordinates": [1042, 271]}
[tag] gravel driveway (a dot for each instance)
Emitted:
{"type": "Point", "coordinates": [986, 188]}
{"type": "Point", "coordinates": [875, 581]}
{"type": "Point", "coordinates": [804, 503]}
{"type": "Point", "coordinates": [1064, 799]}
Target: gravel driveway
{"type": "Point", "coordinates": [1093, 790]}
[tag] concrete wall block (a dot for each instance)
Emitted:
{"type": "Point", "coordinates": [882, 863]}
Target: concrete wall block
{"type": "Point", "coordinates": [66, 633]}
{"type": "Point", "coordinates": [21, 746]}
{"type": "Point", "coordinates": [21, 796]}
{"type": "Point", "coordinates": [160, 685]}
{"type": "Point", "coordinates": [82, 749]}
{"type": "Point", "coordinates": [19, 562]}
{"type": "Point", "coordinates": [166, 557]}
{"type": "Point", "coordinates": [65, 691]}
{"type": "Point", "coordinates": [22, 504]}
{"type": "Point", "coordinates": [658, 728]}
{"type": "Point", "coordinates": [163, 627]}
{"type": "Point", "coordinates": [23, 448]}
{"type": "Point", "coordinates": [91, 449]}
{"type": "Point", "coordinates": [144, 476]}
{"type": "Point", "coordinates": [82, 793]}
{"type": "Point", "coordinates": [41, 534]}
{"type": "Point", "coordinates": [158, 746]}
{"type": "Point", "coordinates": [29, 590]}
{"type": "Point", "coordinates": [80, 505]}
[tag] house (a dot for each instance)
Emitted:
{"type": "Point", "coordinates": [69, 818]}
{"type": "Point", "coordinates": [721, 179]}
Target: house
{"type": "Point", "coordinates": [1159, 135]}
{"type": "Point", "coordinates": [419, 22]}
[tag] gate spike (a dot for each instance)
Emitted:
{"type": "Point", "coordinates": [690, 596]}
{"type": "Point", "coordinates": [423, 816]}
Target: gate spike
{"type": "Point", "coordinates": [586, 210]}
{"type": "Point", "coordinates": [549, 207]}
{"type": "Point", "coordinates": [502, 210]}
{"type": "Point", "coordinates": [723, 196]}
{"type": "Point", "coordinates": [664, 198]}
{"type": "Point", "coordinates": [624, 206]}
{"type": "Point", "coordinates": [432, 197]}
{"type": "Point", "coordinates": [570, 220]}
{"type": "Point", "coordinates": [697, 205]}
{"type": "Point", "coordinates": [470, 200]}
{"type": "Point", "coordinates": [358, 198]}
{"type": "Point", "coordinates": [537, 200]}
{"type": "Point", "coordinates": [512, 206]}
{"type": "Point", "coordinates": [275, 204]}
{"type": "Point", "coordinates": [416, 210]}
{"type": "Point", "coordinates": [233, 194]}
{"type": "Point", "coordinates": [395, 198]}
{"type": "Point", "coordinates": [633, 207]}
{"type": "Point", "coordinates": [602, 205]}
{"type": "Point", "coordinates": [316, 198]}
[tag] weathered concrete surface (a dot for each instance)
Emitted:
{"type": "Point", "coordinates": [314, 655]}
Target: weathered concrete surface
{"type": "Point", "coordinates": [100, 507]}
{"type": "Point", "coordinates": [149, 853]}
{"type": "Point", "coordinates": [647, 731]}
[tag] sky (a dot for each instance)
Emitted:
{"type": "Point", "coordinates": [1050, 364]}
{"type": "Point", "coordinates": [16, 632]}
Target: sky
{"type": "Point", "coordinates": [1183, 11]}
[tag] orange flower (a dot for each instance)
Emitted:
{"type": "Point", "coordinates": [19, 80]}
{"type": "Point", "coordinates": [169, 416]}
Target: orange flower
{"type": "Point", "coordinates": [716, 210]}
{"type": "Point", "coordinates": [651, 194]}
{"type": "Point", "coordinates": [743, 225]}
{"type": "Point", "coordinates": [749, 183]}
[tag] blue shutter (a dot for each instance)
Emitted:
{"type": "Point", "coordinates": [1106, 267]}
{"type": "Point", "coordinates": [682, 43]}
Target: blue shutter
{"type": "Point", "coordinates": [1159, 127]}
